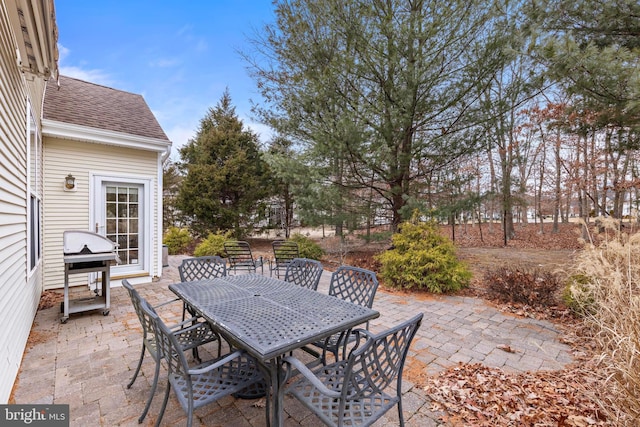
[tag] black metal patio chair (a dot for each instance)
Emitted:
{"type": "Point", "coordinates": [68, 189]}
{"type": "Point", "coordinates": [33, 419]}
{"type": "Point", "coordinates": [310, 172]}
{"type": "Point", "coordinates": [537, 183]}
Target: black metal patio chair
{"type": "Point", "coordinates": [240, 257]}
{"type": "Point", "coordinates": [189, 335]}
{"type": "Point", "coordinates": [203, 267]}
{"type": "Point", "coordinates": [304, 272]}
{"type": "Point", "coordinates": [353, 284]}
{"type": "Point", "coordinates": [351, 391]}
{"type": "Point", "coordinates": [203, 384]}
{"type": "Point", "coordinates": [284, 251]}
{"type": "Point", "coordinates": [199, 268]}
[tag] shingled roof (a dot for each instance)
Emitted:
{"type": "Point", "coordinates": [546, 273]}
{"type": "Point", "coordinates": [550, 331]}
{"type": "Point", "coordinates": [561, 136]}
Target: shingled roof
{"type": "Point", "coordinates": [88, 104]}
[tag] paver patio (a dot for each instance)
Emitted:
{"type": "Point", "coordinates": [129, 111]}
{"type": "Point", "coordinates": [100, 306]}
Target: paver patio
{"type": "Point", "coordinates": [88, 361]}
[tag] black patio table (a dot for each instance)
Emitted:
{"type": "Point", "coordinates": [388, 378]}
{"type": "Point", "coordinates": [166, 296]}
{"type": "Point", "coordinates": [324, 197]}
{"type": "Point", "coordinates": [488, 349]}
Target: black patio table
{"type": "Point", "coordinates": [269, 318]}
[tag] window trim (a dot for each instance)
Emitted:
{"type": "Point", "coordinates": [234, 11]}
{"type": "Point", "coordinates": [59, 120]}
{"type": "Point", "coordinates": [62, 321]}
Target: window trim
{"type": "Point", "coordinates": [34, 198]}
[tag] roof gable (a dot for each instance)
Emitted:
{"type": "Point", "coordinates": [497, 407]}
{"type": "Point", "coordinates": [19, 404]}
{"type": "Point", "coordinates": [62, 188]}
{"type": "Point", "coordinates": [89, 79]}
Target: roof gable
{"type": "Point", "coordinates": [88, 104]}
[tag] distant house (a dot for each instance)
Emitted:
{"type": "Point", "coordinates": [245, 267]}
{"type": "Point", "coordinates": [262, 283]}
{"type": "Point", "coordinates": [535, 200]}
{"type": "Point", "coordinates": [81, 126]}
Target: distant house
{"type": "Point", "coordinates": [51, 127]}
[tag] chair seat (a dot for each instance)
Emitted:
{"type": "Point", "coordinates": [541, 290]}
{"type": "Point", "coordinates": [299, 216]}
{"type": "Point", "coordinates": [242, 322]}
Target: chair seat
{"type": "Point", "coordinates": [232, 377]}
{"type": "Point", "coordinates": [358, 409]}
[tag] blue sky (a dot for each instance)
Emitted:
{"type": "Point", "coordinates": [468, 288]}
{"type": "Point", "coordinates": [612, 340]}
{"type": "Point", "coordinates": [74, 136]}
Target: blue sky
{"type": "Point", "coordinates": [179, 55]}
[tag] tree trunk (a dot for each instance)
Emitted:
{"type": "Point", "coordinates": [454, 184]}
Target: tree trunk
{"type": "Point", "coordinates": [493, 188]}
{"type": "Point", "coordinates": [558, 194]}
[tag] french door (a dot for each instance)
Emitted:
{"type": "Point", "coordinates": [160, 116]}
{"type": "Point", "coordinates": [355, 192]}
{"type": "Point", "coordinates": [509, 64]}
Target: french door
{"type": "Point", "coordinates": [121, 215]}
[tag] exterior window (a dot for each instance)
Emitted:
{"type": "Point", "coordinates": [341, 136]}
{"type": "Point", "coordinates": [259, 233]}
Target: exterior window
{"type": "Point", "coordinates": [34, 232]}
{"type": "Point", "coordinates": [123, 221]}
{"type": "Point", "coordinates": [34, 211]}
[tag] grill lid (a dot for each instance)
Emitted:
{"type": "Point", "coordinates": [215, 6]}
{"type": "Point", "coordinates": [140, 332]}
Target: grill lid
{"type": "Point", "coordinates": [82, 241]}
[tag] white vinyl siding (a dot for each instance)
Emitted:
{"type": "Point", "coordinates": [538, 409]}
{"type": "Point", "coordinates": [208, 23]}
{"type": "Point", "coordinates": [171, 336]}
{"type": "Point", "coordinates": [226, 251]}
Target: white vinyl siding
{"type": "Point", "coordinates": [66, 210]}
{"type": "Point", "coordinates": [19, 288]}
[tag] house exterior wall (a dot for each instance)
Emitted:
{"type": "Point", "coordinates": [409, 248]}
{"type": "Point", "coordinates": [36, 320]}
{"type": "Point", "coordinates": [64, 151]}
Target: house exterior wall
{"type": "Point", "coordinates": [20, 286]}
{"type": "Point", "coordinates": [64, 210]}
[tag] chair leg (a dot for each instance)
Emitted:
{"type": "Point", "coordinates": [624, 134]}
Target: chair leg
{"type": "Point", "coordinates": [400, 416]}
{"type": "Point", "coordinates": [268, 411]}
{"type": "Point", "coordinates": [190, 412]}
{"type": "Point", "coordinates": [135, 374]}
{"type": "Point", "coordinates": [164, 403]}
{"type": "Point", "coordinates": [151, 393]}
{"type": "Point", "coordinates": [194, 351]}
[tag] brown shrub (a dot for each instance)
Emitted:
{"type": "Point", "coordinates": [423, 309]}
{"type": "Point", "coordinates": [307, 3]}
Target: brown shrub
{"type": "Point", "coordinates": [531, 286]}
{"type": "Point", "coordinates": [611, 288]}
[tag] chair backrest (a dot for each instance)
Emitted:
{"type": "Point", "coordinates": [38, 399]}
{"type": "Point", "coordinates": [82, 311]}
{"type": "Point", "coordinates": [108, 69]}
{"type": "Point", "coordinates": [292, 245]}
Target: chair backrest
{"type": "Point", "coordinates": [304, 272]}
{"type": "Point", "coordinates": [168, 345]}
{"type": "Point", "coordinates": [239, 253]}
{"type": "Point", "coordinates": [284, 251]}
{"type": "Point", "coordinates": [372, 367]}
{"type": "Point", "coordinates": [354, 284]}
{"type": "Point", "coordinates": [148, 335]}
{"type": "Point", "coordinates": [204, 267]}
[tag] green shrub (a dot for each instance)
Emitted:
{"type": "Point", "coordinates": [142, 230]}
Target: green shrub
{"type": "Point", "coordinates": [422, 258]}
{"type": "Point", "coordinates": [533, 287]}
{"type": "Point", "coordinates": [213, 244]}
{"type": "Point", "coordinates": [308, 248]}
{"type": "Point", "coordinates": [177, 240]}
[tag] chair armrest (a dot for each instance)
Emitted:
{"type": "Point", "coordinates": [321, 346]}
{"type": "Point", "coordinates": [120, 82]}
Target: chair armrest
{"type": "Point", "coordinates": [306, 372]}
{"type": "Point", "coordinates": [228, 358]}
{"type": "Point", "coordinates": [187, 325]}
{"type": "Point", "coordinates": [166, 303]}
{"type": "Point", "coordinates": [361, 331]}
{"type": "Point", "coordinates": [190, 321]}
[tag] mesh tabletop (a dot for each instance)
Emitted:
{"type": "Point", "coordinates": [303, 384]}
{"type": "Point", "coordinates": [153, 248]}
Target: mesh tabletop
{"type": "Point", "coordinates": [269, 317]}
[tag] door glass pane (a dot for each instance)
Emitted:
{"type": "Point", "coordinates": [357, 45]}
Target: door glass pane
{"type": "Point", "coordinates": [111, 194]}
{"type": "Point", "coordinates": [122, 194]}
{"type": "Point", "coordinates": [111, 210]}
{"type": "Point", "coordinates": [122, 209]}
{"type": "Point", "coordinates": [122, 222]}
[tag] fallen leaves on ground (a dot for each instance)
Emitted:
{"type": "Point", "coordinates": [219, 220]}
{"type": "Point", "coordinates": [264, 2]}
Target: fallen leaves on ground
{"type": "Point", "coordinates": [507, 348]}
{"type": "Point", "coordinates": [527, 236]}
{"type": "Point", "coordinates": [49, 299]}
{"type": "Point", "coordinates": [474, 394]}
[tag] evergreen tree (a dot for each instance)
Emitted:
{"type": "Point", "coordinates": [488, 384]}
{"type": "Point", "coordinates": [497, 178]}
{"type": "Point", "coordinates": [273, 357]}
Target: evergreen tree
{"type": "Point", "coordinates": [376, 89]}
{"type": "Point", "coordinates": [592, 50]}
{"type": "Point", "coordinates": [285, 167]}
{"type": "Point", "coordinates": [171, 181]}
{"type": "Point", "coordinates": [226, 179]}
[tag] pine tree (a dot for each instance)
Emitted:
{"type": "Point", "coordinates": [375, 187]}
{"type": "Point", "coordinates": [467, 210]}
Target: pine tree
{"type": "Point", "coordinates": [226, 179]}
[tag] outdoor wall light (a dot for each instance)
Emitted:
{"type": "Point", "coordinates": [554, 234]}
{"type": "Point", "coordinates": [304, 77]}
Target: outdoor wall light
{"type": "Point", "coordinates": [70, 183]}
